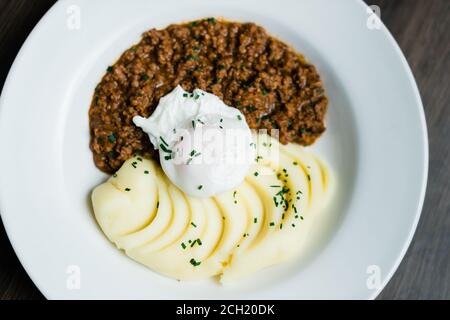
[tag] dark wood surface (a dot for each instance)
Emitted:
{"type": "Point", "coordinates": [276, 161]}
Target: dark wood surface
{"type": "Point", "coordinates": [421, 27]}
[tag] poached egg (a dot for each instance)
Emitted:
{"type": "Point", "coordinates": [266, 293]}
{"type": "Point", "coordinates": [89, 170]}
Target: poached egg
{"type": "Point", "coordinates": [205, 146]}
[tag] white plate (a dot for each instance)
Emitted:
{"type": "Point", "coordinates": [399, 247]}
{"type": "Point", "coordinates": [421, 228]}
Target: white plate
{"type": "Point", "coordinates": [376, 143]}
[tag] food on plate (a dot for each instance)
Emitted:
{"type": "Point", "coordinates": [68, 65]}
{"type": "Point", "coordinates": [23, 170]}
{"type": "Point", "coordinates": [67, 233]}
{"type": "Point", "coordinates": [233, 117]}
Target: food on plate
{"type": "Point", "coordinates": [204, 125]}
{"type": "Point", "coordinates": [264, 78]}
{"type": "Point", "coordinates": [261, 222]}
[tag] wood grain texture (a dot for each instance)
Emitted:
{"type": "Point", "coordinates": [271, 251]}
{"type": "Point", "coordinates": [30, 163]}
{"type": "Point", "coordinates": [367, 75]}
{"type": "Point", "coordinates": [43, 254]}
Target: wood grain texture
{"type": "Point", "coordinates": [421, 29]}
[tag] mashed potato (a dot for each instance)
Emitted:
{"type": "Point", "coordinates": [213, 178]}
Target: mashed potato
{"type": "Point", "coordinates": [260, 223]}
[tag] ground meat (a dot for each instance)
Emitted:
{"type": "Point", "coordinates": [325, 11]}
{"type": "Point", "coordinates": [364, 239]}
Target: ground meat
{"type": "Point", "coordinates": [263, 77]}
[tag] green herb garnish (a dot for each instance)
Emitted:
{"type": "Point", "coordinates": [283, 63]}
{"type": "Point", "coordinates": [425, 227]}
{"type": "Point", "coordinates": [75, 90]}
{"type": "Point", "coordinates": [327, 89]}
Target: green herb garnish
{"type": "Point", "coordinates": [194, 263]}
{"type": "Point", "coordinates": [164, 141]}
{"type": "Point", "coordinates": [192, 57]}
{"type": "Point", "coordinates": [165, 149]}
{"type": "Point", "coordinates": [112, 138]}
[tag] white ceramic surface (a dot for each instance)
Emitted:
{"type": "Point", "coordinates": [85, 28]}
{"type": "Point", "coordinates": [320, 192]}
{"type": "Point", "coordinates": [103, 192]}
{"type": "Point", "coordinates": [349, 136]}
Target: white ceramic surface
{"type": "Point", "coordinates": [376, 143]}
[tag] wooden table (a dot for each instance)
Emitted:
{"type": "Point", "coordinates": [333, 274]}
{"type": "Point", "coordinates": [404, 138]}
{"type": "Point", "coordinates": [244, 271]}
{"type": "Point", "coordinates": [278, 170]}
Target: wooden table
{"type": "Point", "coordinates": [422, 29]}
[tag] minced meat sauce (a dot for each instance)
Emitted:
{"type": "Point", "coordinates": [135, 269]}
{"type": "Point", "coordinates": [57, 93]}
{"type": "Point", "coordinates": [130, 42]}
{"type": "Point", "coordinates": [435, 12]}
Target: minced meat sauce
{"type": "Point", "coordinates": [263, 77]}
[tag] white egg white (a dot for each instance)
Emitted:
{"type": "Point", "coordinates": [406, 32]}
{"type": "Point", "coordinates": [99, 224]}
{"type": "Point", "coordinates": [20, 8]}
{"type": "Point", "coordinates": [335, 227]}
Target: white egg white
{"type": "Point", "coordinates": [205, 146]}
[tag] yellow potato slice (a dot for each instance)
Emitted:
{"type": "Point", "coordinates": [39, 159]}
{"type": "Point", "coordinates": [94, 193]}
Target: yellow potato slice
{"type": "Point", "coordinates": [119, 205]}
{"type": "Point", "coordinates": [160, 222]}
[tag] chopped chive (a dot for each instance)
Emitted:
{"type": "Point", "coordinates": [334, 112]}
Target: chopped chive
{"type": "Point", "coordinates": [139, 159]}
{"type": "Point", "coordinates": [144, 77]}
{"type": "Point", "coordinates": [239, 117]}
{"type": "Point", "coordinates": [193, 124]}
{"type": "Point", "coordinates": [133, 164]}
{"type": "Point", "coordinates": [194, 225]}
{"type": "Point", "coordinates": [256, 173]}
{"type": "Point", "coordinates": [127, 189]}
{"type": "Point", "coordinates": [192, 57]}
{"type": "Point", "coordinates": [309, 177]}
{"type": "Point", "coordinates": [189, 161]}
{"type": "Point", "coordinates": [109, 69]}
{"type": "Point", "coordinates": [293, 225]}
{"type": "Point", "coordinates": [146, 172]}
{"type": "Point", "coordinates": [194, 263]}
{"type": "Point", "coordinates": [115, 175]}
{"type": "Point", "coordinates": [272, 224]}
{"type": "Point", "coordinates": [255, 220]}
{"type": "Point", "coordinates": [167, 158]}
{"type": "Point", "coordinates": [183, 245]}
{"type": "Point", "coordinates": [295, 163]}
{"type": "Point", "coordinates": [281, 226]}
{"type": "Point", "coordinates": [199, 187]}
{"type": "Point", "coordinates": [164, 141]}
{"type": "Point", "coordinates": [275, 186]}
{"type": "Point", "coordinates": [185, 95]}
{"type": "Point", "coordinates": [250, 108]}
{"type": "Point", "coordinates": [164, 148]}
{"type": "Point", "coordinates": [112, 138]}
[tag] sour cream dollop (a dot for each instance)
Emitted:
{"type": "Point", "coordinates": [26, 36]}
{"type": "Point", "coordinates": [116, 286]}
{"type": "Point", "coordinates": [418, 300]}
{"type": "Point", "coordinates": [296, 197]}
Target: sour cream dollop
{"type": "Point", "coordinates": [205, 146]}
